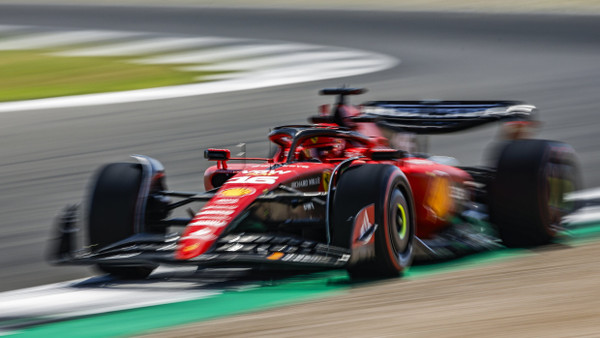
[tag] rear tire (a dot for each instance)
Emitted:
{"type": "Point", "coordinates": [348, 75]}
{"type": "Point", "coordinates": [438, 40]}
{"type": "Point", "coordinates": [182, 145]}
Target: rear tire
{"type": "Point", "coordinates": [526, 201]}
{"type": "Point", "coordinates": [112, 210]}
{"type": "Point", "coordinates": [387, 188]}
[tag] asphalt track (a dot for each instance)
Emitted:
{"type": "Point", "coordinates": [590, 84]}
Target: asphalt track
{"type": "Point", "coordinates": [48, 156]}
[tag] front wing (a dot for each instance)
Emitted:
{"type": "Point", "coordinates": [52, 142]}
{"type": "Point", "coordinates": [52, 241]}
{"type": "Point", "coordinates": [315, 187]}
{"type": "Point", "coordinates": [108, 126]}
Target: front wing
{"type": "Point", "coordinates": [238, 249]}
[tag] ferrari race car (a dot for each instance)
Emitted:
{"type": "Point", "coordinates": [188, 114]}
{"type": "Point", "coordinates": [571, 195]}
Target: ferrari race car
{"type": "Point", "coordinates": [351, 190]}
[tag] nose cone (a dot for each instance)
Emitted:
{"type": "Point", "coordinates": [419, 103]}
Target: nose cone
{"type": "Point", "coordinates": [235, 196]}
{"type": "Point", "coordinates": [206, 226]}
{"type": "Point", "coordinates": [195, 242]}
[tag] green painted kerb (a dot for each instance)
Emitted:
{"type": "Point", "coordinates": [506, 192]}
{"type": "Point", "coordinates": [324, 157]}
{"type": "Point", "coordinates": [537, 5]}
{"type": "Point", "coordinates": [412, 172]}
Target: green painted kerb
{"type": "Point", "coordinates": [129, 322]}
{"type": "Point", "coordinates": [277, 293]}
{"type": "Point", "coordinates": [301, 288]}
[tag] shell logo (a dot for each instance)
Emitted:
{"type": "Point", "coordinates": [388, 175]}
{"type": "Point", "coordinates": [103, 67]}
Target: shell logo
{"type": "Point", "coordinates": [189, 248]}
{"type": "Point", "coordinates": [237, 192]}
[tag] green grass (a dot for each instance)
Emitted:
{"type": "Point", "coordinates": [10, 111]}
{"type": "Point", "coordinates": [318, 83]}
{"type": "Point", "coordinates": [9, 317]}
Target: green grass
{"type": "Point", "coordinates": [34, 74]}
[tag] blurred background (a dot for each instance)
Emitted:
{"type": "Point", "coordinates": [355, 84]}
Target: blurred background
{"type": "Point", "coordinates": [242, 67]}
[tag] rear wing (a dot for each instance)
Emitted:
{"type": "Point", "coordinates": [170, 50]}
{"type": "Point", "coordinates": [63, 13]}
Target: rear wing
{"type": "Point", "coordinates": [438, 117]}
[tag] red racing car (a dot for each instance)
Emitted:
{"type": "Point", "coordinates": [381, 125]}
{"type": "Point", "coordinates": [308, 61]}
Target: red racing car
{"type": "Point", "coordinates": [351, 190]}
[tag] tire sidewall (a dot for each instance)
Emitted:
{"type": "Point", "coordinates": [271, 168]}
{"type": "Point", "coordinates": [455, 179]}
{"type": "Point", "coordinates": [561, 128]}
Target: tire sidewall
{"type": "Point", "coordinates": [399, 258]}
{"type": "Point", "coordinates": [528, 173]}
{"type": "Point", "coordinates": [378, 184]}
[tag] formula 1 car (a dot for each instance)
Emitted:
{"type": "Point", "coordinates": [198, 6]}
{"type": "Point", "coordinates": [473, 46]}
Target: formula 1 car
{"type": "Point", "coordinates": [351, 190]}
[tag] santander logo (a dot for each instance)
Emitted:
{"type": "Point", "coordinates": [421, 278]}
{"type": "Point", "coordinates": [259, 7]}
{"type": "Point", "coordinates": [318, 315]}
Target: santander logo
{"type": "Point", "coordinates": [364, 225]}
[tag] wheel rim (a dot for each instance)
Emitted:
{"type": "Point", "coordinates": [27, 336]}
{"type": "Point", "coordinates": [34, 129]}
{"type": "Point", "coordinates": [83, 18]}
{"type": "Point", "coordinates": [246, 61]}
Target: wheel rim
{"type": "Point", "coordinates": [400, 227]}
{"type": "Point", "coordinates": [401, 221]}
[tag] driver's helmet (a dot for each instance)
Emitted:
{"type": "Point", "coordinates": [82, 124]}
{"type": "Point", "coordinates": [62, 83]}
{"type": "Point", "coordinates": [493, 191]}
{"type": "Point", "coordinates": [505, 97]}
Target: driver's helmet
{"type": "Point", "coordinates": [321, 148]}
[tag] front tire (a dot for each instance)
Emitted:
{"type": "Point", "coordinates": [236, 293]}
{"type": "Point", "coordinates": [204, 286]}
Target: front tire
{"type": "Point", "coordinates": [112, 212]}
{"type": "Point", "coordinates": [387, 189]}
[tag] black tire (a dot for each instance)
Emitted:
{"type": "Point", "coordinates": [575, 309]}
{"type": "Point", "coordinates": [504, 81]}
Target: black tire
{"type": "Point", "coordinates": [526, 196]}
{"type": "Point", "coordinates": [387, 188]}
{"type": "Point", "coordinates": [111, 215]}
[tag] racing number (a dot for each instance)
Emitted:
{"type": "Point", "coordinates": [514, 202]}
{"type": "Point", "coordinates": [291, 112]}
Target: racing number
{"type": "Point", "coordinates": [253, 180]}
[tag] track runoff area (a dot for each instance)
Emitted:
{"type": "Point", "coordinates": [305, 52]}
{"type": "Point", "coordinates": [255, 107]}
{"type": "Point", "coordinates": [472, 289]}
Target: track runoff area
{"type": "Point", "coordinates": [105, 307]}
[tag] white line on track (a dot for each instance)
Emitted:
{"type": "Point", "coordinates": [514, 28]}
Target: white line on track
{"type": "Point", "coordinates": [155, 45]}
{"type": "Point", "coordinates": [229, 85]}
{"type": "Point", "coordinates": [302, 72]}
{"type": "Point", "coordinates": [279, 60]}
{"type": "Point", "coordinates": [225, 53]}
{"type": "Point", "coordinates": [67, 300]}
{"type": "Point", "coordinates": [582, 195]}
{"type": "Point", "coordinates": [171, 92]}
{"type": "Point", "coordinates": [585, 215]}
{"type": "Point", "coordinates": [91, 296]}
{"type": "Point", "coordinates": [57, 39]}
{"type": "Point", "coordinates": [87, 301]}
